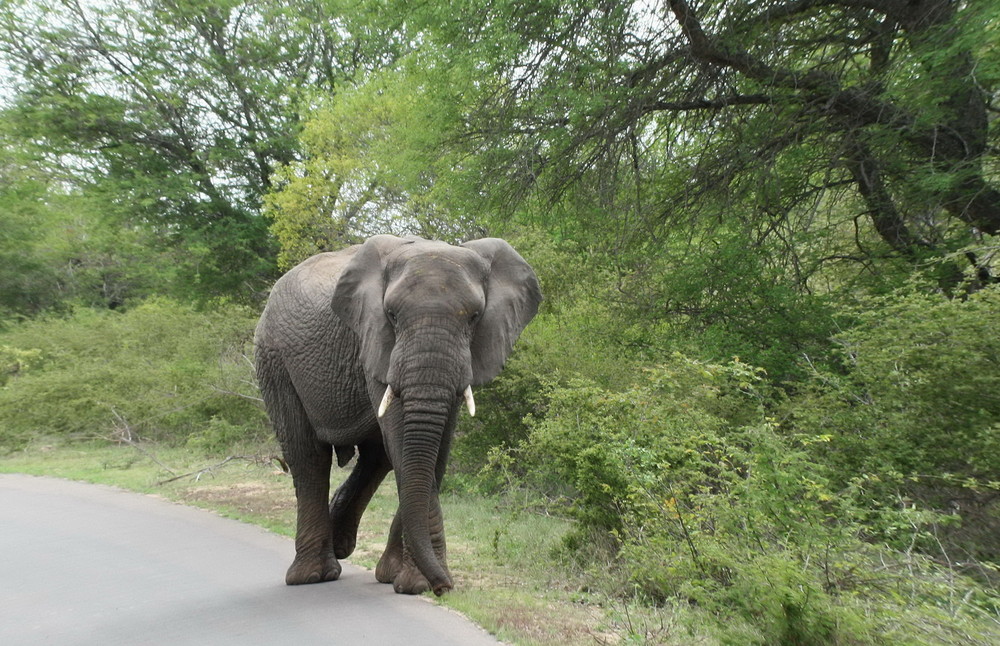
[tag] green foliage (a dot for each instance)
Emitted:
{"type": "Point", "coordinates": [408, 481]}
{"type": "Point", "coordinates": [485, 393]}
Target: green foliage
{"type": "Point", "coordinates": [14, 362]}
{"type": "Point", "coordinates": [725, 299]}
{"type": "Point", "coordinates": [687, 221]}
{"type": "Point", "coordinates": [812, 130]}
{"type": "Point", "coordinates": [922, 386]}
{"type": "Point", "coordinates": [376, 161]}
{"type": "Point", "coordinates": [70, 250]}
{"type": "Point", "coordinates": [702, 499]}
{"type": "Point", "coordinates": [911, 419]}
{"type": "Point", "coordinates": [182, 111]}
{"type": "Point", "coordinates": [159, 371]}
{"type": "Point", "coordinates": [220, 435]}
{"type": "Point", "coordinates": [605, 444]}
{"type": "Point", "coordinates": [62, 246]}
{"type": "Point", "coordinates": [342, 189]}
{"type": "Point", "coordinates": [26, 283]}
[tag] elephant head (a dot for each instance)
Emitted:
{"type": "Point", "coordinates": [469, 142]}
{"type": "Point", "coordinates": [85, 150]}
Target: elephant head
{"type": "Point", "coordinates": [433, 321]}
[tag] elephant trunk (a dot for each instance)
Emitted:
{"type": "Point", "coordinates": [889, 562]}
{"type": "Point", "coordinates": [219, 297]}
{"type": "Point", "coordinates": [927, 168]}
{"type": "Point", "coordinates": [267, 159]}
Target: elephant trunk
{"type": "Point", "coordinates": [424, 450]}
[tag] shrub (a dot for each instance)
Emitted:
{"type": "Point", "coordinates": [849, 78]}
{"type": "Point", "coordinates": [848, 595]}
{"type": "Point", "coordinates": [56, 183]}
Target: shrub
{"type": "Point", "coordinates": [912, 418]}
{"type": "Point", "coordinates": [703, 499]}
{"type": "Point", "coordinates": [728, 299]}
{"type": "Point", "coordinates": [14, 361]}
{"type": "Point", "coordinates": [928, 368]}
{"type": "Point", "coordinates": [161, 370]}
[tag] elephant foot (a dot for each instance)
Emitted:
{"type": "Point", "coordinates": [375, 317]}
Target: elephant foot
{"type": "Point", "coordinates": [405, 577]}
{"type": "Point", "coordinates": [343, 545]}
{"type": "Point", "coordinates": [312, 570]}
{"type": "Point", "coordinates": [409, 580]}
{"type": "Point", "coordinates": [388, 566]}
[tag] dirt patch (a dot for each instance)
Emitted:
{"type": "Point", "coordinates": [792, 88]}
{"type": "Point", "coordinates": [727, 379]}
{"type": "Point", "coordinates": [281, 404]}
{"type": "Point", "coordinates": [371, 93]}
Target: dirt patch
{"type": "Point", "coordinates": [268, 500]}
{"type": "Point", "coordinates": [554, 624]}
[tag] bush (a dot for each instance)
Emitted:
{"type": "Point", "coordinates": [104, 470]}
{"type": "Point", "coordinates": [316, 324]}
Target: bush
{"type": "Point", "coordinates": [912, 418]}
{"type": "Point", "coordinates": [702, 499]}
{"type": "Point", "coordinates": [928, 368]}
{"type": "Point", "coordinates": [729, 299]}
{"type": "Point", "coordinates": [159, 371]}
{"type": "Point", "coordinates": [14, 362]}
{"type": "Point", "coordinates": [606, 443]}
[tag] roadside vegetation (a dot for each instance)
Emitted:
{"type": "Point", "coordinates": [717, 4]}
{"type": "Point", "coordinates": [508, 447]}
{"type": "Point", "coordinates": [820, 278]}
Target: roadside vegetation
{"type": "Point", "coordinates": [761, 401]}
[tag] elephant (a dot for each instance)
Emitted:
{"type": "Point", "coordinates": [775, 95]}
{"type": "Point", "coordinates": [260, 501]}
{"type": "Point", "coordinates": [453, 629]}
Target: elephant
{"type": "Point", "coordinates": [371, 351]}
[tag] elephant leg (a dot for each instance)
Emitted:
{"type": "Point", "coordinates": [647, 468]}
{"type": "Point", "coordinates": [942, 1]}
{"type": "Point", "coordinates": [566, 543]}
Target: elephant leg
{"type": "Point", "coordinates": [391, 561]}
{"type": "Point", "coordinates": [315, 560]}
{"type": "Point", "coordinates": [352, 497]}
{"type": "Point", "coordinates": [309, 461]}
{"type": "Point", "coordinates": [397, 566]}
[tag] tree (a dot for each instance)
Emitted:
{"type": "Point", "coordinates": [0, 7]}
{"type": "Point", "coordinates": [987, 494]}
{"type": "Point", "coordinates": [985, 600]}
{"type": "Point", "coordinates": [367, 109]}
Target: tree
{"type": "Point", "coordinates": [27, 283]}
{"type": "Point", "coordinates": [376, 159]}
{"type": "Point", "coordinates": [182, 108]}
{"type": "Point", "coordinates": [853, 82]}
{"type": "Point", "coordinates": [60, 246]}
{"type": "Point", "coordinates": [864, 123]}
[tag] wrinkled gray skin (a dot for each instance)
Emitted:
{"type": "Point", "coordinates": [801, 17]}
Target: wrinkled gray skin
{"type": "Point", "coordinates": [427, 318]}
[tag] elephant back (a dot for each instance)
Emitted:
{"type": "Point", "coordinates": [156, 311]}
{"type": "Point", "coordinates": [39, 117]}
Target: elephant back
{"type": "Point", "coordinates": [300, 299]}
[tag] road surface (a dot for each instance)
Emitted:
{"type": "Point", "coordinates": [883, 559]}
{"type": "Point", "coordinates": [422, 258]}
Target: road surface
{"type": "Point", "coordinates": [86, 564]}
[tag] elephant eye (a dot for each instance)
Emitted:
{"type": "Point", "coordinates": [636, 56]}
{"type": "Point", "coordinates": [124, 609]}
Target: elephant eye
{"type": "Point", "coordinates": [475, 316]}
{"type": "Point", "coordinates": [389, 314]}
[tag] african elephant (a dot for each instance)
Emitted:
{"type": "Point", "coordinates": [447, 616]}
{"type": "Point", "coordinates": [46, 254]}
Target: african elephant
{"type": "Point", "coordinates": [375, 347]}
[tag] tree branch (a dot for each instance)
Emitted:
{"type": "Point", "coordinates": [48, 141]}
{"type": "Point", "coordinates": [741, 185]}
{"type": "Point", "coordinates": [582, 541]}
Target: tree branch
{"type": "Point", "coordinates": [256, 459]}
{"type": "Point", "coordinates": [951, 146]}
{"type": "Point", "coordinates": [885, 217]}
{"type": "Point", "coordinates": [710, 104]}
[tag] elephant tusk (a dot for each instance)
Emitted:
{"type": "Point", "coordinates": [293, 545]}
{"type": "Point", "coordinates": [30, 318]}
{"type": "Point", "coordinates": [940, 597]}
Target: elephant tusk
{"type": "Point", "coordinates": [469, 401]}
{"type": "Point", "coordinates": [386, 400]}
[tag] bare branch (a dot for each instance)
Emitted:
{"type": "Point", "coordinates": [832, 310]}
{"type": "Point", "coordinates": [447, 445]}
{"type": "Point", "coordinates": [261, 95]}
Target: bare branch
{"type": "Point", "coordinates": [711, 104]}
{"type": "Point", "coordinates": [126, 436]}
{"type": "Point", "coordinates": [255, 459]}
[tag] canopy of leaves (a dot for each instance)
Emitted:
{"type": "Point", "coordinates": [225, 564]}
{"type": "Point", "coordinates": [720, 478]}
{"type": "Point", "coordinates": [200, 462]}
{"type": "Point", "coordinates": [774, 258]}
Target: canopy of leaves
{"type": "Point", "coordinates": [837, 131]}
{"type": "Point", "coordinates": [181, 110]}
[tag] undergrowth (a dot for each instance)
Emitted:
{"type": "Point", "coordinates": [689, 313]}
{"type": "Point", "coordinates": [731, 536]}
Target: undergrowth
{"type": "Point", "coordinates": [686, 489]}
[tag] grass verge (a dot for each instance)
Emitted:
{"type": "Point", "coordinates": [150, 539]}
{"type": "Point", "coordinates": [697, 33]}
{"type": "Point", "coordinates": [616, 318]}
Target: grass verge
{"type": "Point", "coordinates": [502, 557]}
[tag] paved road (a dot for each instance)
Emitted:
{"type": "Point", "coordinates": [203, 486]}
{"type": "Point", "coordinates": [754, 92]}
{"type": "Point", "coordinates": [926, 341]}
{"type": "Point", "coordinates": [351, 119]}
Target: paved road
{"type": "Point", "coordinates": [85, 564]}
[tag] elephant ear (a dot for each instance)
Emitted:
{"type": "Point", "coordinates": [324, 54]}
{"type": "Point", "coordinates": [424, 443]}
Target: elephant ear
{"type": "Point", "coordinates": [357, 300]}
{"type": "Point", "coordinates": [512, 299]}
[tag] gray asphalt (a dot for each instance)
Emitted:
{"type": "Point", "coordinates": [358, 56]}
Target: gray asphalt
{"type": "Point", "coordinates": [86, 564]}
